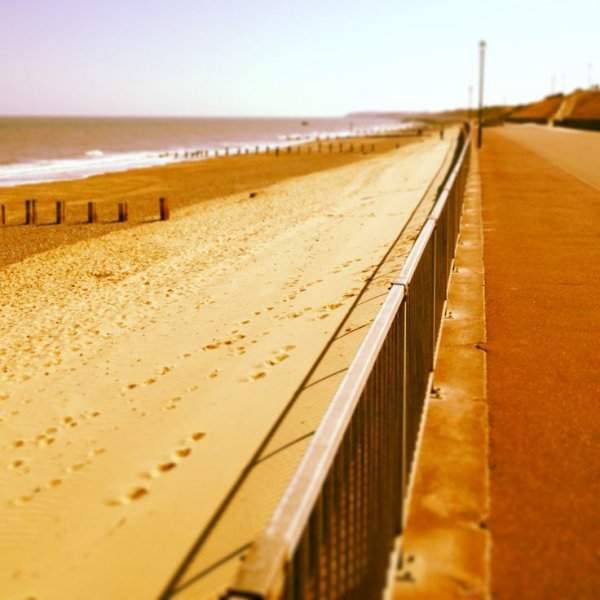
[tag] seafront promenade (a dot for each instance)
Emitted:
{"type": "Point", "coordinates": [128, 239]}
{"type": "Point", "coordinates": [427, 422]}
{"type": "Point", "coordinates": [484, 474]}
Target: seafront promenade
{"type": "Point", "coordinates": [505, 495]}
{"type": "Point", "coordinates": [541, 220]}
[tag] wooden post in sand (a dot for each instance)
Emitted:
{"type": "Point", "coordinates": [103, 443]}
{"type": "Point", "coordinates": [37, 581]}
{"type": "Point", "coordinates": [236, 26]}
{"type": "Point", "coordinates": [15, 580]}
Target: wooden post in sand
{"type": "Point", "coordinates": [277, 151]}
{"type": "Point", "coordinates": [289, 149]}
{"type": "Point", "coordinates": [330, 148]}
{"type": "Point", "coordinates": [93, 213]}
{"type": "Point", "coordinates": [30, 212]}
{"type": "Point", "coordinates": [164, 209]}
{"type": "Point", "coordinates": [352, 147]}
{"type": "Point", "coordinates": [340, 147]}
{"type": "Point", "coordinates": [372, 147]}
{"type": "Point", "coordinates": [61, 212]}
{"type": "Point", "coordinates": [2, 214]}
{"type": "Point", "coordinates": [123, 212]}
{"type": "Point", "coordinates": [362, 148]}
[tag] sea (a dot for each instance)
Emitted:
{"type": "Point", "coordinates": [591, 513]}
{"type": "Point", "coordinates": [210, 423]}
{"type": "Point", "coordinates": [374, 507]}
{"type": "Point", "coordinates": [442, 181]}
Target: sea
{"type": "Point", "coordinates": [43, 149]}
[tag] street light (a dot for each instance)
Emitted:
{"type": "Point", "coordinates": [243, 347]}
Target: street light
{"type": "Point", "coordinates": [481, 64]}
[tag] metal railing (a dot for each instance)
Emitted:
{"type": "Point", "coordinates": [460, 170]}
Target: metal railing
{"type": "Point", "coordinates": [333, 533]}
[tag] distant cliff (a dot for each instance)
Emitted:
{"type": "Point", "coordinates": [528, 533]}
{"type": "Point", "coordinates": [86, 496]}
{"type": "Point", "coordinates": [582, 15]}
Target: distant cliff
{"type": "Point", "coordinates": [580, 109]}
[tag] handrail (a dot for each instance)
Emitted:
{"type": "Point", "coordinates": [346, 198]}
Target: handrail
{"type": "Point", "coordinates": [353, 477]}
{"type": "Point", "coordinates": [301, 494]}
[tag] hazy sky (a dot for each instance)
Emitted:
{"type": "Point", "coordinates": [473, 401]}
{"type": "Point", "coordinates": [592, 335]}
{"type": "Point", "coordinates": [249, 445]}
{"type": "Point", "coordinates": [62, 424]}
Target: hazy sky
{"type": "Point", "coordinates": [286, 57]}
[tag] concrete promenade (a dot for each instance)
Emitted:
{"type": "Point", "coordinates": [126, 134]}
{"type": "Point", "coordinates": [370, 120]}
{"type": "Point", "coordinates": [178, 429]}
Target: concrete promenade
{"type": "Point", "coordinates": [541, 219]}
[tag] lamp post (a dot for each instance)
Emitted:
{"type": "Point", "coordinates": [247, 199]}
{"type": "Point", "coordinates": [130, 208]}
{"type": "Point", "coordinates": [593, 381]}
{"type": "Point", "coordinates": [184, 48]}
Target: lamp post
{"type": "Point", "coordinates": [481, 68]}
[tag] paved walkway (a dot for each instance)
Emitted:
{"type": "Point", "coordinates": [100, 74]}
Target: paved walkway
{"type": "Point", "coordinates": [542, 257]}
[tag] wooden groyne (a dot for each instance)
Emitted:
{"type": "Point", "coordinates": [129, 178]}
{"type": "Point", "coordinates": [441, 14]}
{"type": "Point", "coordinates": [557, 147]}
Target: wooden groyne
{"type": "Point", "coordinates": [31, 213]}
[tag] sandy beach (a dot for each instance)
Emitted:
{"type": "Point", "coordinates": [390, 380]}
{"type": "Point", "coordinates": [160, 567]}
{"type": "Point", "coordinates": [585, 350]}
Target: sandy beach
{"type": "Point", "coordinates": [183, 184]}
{"type": "Point", "coordinates": [141, 369]}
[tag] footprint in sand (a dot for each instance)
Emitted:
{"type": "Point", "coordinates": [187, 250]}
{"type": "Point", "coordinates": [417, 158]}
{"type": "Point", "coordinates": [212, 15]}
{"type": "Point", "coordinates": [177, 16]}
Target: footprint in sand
{"type": "Point", "coordinates": [293, 315]}
{"type": "Point", "coordinates": [137, 493]}
{"type": "Point", "coordinates": [166, 467]}
{"type": "Point", "coordinates": [172, 403]}
{"type": "Point", "coordinates": [257, 375]}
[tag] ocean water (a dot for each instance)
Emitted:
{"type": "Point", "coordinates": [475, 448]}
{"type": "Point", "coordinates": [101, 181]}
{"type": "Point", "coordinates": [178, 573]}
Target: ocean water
{"type": "Point", "coordinates": [40, 149]}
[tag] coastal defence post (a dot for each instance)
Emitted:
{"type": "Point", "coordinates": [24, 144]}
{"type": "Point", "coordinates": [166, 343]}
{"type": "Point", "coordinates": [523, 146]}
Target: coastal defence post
{"type": "Point", "coordinates": [93, 213]}
{"type": "Point", "coordinates": [61, 211]}
{"type": "Point", "coordinates": [30, 212]}
{"type": "Point", "coordinates": [123, 212]}
{"type": "Point", "coordinates": [165, 213]}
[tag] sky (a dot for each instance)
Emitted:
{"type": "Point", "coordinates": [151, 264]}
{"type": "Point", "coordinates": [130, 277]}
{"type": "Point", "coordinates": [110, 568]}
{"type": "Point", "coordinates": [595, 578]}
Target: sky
{"type": "Point", "coordinates": [287, 57]}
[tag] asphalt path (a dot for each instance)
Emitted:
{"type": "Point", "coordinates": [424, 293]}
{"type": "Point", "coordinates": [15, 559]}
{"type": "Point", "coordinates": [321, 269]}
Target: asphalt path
{"type": "Point", "coordinates": [541, 213]}
{"type": "Point", "coordinates": [574, 151]}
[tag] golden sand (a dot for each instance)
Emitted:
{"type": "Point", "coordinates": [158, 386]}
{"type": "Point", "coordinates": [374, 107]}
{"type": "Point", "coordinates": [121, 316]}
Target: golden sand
{"type": "Point", "coordinates": [141, 370]}
{"type": "Point", "coordinates": [183, 184]}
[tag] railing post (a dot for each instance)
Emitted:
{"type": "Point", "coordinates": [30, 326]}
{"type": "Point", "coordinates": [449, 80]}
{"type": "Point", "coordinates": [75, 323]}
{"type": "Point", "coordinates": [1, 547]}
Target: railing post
{"type": "Point", "coordinates": [2, 214]}
{"type": "Point", "coordinates": [434, 294]}
{"type": "Point", "coordinates": [404, 433]}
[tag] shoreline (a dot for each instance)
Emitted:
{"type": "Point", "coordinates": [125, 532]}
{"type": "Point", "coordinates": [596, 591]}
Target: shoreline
{"type": "Point", "coordinates": [184, 184]}
{"type": "Point", "coordinates": [94, 162]}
